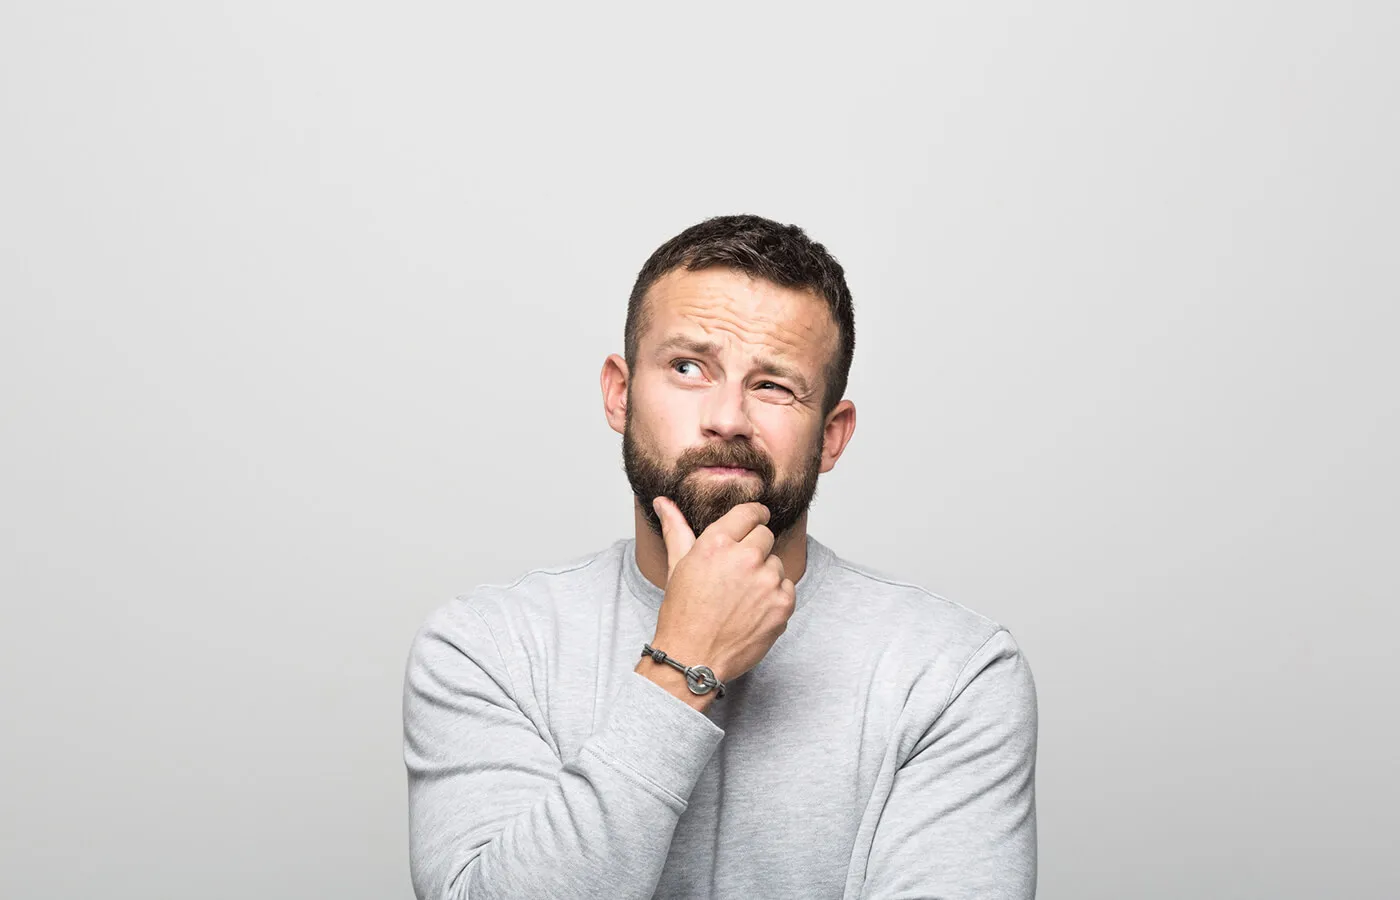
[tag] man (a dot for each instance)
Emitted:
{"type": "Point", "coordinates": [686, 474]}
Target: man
{"type": "Point", "coordinates": [721, 706]}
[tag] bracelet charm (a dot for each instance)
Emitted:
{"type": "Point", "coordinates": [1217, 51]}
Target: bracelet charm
{"type": "Point", "coordinates": [699, 679]}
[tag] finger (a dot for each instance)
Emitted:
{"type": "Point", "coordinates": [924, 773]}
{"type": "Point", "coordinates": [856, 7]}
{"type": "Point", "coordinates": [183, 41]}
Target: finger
{"type": "Point", "coordinates": [761, 537]}
{"type": "Point", "coordinates": [675, 531]}
{"type": "Point", "coordinates": [774, 566]}
{"type": "Point", "coordinates": [739, 521]}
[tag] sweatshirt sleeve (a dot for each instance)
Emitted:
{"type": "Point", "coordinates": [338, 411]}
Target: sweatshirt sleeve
{"type": "Point", "coordinates": [495, 813]}
{"type": "Point", "coordinates": [960, 819]}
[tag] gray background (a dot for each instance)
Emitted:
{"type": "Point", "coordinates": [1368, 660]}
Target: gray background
{"type": "Point", "coordinates": [303, 312]}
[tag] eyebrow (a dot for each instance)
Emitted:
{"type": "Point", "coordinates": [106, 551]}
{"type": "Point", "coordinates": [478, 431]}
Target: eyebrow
{"type": "Point", "coordinates": [711, 349]}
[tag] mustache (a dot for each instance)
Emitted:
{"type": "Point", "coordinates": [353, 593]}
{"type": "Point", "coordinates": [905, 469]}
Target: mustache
{"type": "Point", "coordinates": [741, 456]}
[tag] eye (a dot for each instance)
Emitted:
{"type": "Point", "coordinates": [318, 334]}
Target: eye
{"type": "Point", "coordinates": [683, 362]}
{"type": "Point", "coordinates": [771, 384]}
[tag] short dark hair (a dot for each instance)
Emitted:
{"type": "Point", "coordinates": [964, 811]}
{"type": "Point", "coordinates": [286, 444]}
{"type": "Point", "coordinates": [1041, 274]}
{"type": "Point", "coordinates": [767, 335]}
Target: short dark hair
{"type": "Point", "coordinates": [782, 254]}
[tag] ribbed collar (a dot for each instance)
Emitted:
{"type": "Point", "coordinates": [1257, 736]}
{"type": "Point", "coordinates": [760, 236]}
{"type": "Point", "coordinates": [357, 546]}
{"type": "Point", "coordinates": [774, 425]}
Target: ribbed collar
{"type": "Point", "coordinates": [819, 558]}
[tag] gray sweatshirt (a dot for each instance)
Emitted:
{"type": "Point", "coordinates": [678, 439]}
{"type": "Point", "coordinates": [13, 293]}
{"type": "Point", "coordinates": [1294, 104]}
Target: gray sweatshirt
{"type": "Point", "coordinates": [884, 747]}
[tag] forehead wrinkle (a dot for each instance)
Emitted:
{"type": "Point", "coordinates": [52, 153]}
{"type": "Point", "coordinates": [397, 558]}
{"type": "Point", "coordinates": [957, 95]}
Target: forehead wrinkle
{"type": "Point", "coordinates": [780, 333]}
{"type": "Point", "coordinates": [718, 292]}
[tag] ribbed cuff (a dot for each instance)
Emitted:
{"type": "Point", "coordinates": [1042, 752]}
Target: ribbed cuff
{"type": "Point", "coordinates": [657, 738]}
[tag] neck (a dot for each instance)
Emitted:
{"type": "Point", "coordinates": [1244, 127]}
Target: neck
{"type": "Point", "coordinates": [790, 547]}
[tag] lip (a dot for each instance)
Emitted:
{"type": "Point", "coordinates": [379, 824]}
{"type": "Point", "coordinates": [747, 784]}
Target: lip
{"type": "Point", "coordinates": [727, 470]}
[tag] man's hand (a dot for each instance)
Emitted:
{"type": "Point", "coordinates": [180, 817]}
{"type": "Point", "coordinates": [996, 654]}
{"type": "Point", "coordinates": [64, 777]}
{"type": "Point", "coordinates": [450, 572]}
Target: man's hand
{"type": "Point", "coordinates": [727, 598]}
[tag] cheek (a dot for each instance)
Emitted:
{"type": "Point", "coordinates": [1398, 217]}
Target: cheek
{"type": "Point", "coordinates": [675, 426]}
{"type": "Point", "coordinates": [667, 421]}
{"type": "Point", "coordinates": [781, 439]}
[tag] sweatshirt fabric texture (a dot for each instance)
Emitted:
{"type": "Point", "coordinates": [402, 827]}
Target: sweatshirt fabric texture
{"type": "Point", "coordinates": [883, 748]}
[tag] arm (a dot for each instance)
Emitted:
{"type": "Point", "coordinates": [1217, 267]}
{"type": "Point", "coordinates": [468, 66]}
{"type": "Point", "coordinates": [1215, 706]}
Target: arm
{"type": "Point", "coordinates": [960, 819]}
{"type": "Point", "coordinates": [495, 813]}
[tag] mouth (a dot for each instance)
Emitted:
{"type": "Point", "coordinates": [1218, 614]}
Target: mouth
{"type": "Point", "coordinates": [727, 470]}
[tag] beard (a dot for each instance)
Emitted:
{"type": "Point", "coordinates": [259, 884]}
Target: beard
{"type": "Point", "coordinates": [704, 498]}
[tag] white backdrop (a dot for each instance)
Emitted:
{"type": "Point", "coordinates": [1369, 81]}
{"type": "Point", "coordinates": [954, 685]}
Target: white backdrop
{"type": "Point", "coordinates": [304, 306]}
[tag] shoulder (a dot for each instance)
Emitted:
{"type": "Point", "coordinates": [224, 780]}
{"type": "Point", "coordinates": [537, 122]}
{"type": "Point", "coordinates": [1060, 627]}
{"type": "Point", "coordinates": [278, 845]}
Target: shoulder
{"type": "Point", "coordinates": [908, 608]}
{"type": "Point", "coordinates": [942, 646]}
{"type": "Point", "coordinates": [942, 643]}
{"type": "Point", "coordinates": [543, 596]}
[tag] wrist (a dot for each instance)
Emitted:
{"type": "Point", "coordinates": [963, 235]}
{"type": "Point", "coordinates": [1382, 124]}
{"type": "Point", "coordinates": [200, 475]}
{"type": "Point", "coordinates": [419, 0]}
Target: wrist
{"type": "Point", "coordinates": [690, 651]}
{"type": "Point", "coordinates": [673, 683]}
{"type": "Point", "coordinates": [700, 677]}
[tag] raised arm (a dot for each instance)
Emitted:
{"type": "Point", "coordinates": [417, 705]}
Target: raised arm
{"type": "Point", "coordinates": [494, 813]}
{"type": "Point", "coordinates": [960, 820]}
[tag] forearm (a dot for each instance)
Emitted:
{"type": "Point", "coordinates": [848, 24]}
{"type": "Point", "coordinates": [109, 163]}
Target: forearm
{"type": "Point", "coordinates": [602, 828]}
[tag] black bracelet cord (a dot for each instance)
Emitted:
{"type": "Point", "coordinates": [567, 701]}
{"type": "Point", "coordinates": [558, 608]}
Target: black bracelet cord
{"type": "Point", "coordinates": [700, 679]}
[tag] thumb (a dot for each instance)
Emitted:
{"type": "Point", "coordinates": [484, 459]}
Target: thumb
{"type": "Point", "coordinates": [675, 531]}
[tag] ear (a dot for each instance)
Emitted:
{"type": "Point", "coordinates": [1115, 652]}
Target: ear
{"type": "Point", "coordinates": [836, 434]}
{"type": "Point", "coordinates": [614, 380]}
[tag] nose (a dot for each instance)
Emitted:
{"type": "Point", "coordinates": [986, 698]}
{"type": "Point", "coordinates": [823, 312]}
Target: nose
{"type": "Point", "coordinates": [724, 414]}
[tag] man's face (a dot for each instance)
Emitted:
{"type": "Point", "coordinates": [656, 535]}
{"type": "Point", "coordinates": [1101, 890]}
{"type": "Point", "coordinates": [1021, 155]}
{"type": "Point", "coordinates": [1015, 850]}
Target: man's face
{"type": "Point", "coordinates": [728, 374]}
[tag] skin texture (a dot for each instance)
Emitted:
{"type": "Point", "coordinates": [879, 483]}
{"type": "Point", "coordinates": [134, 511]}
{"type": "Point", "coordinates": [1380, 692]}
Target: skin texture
{"type": "Point", "coordinates": [682, 410]}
